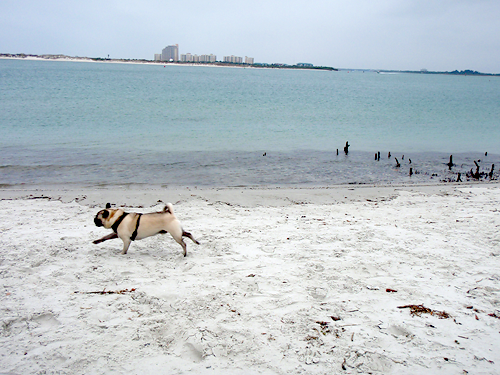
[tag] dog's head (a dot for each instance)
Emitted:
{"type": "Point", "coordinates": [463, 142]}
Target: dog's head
{"type": "Point", "coordinates": [105, 218]}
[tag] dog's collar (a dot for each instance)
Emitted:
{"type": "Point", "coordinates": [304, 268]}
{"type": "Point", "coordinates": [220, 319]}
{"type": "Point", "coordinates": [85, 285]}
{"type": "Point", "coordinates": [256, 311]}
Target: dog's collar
{"type": "Point", "coordinates": [134, 235]}
{"type": "Point", "coordinates": [118, 222]}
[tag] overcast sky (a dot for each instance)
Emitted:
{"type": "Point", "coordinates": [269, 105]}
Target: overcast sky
{"type": "Point", "coordinates": [438, 35]}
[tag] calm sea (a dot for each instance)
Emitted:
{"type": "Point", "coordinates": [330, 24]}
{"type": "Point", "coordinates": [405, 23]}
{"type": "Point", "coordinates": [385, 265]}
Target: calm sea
{"type": "Point", "coordinates": [118, 124]}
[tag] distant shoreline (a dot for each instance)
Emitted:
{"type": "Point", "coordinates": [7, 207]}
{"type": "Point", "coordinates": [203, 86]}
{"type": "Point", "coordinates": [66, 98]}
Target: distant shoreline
{"type": "Point", "coordinates": [454, 73]}
{"type": "Point", "coordinates": [21, 56]}
{"type": "Point", "coordinates": [48, 57]}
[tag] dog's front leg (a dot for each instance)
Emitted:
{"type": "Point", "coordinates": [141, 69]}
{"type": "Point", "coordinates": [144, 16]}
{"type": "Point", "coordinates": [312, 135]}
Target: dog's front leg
{"type": "Point", "coordinates": [126, 245]}
{"type": "Point", "coordinates": [105, 238]}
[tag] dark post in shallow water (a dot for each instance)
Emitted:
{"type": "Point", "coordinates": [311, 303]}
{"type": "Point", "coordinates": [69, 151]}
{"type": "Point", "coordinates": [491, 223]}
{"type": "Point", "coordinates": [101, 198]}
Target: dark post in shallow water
{"type": "Point", "coordinates": [458, 178]}
{"type": "Point", "coordinates": [411, 171]}
{"type": "Point", "coordinates": [346, 148]}
{"type": "Point", "coordinates": [397, 163]}
{"type": "Point", "coordinates": [450, 163]}
{"type": "Point", "coordinates": [491, 172]}
{"type": "Point", "coordinates": [337, 152]}
{"type": "Point", "coordinates": [389, 155]}
{"type": "Point", "coordinates": [475, 175]}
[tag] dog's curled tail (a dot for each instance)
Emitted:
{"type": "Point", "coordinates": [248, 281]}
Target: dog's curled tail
{"type": "Point", "coordinates": [169, 208]}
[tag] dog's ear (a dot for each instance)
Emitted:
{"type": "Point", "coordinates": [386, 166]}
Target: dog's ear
{"type": "Point", "coordinates": [108, 205]}
{"type": "Point", "coordinates": [105, 214]}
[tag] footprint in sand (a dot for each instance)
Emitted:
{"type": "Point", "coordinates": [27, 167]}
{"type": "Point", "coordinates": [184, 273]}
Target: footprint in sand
{"type": "Point", "coordinates": [268, 249]}
{"type": "Point", "coordinates": [317, 293]}
{"type": "Point", "coordinates": [316, 267]}
{"type": "Point", "coordinates": [189, 351]}
{"type": "Point", "coordinates": [46, 320]}
{"type": "Point", "coordinates": [249, 285]}
{"type": "Point", "coordinates": [399, 331]}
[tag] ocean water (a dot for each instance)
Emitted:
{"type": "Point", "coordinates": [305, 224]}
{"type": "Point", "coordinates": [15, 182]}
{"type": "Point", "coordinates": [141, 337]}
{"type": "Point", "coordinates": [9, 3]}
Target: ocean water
{"type": "Point", "coordinates": [116, 124]}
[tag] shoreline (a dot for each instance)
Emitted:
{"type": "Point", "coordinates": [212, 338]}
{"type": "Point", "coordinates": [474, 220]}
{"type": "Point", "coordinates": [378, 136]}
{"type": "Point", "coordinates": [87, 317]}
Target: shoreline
{"type": "Point", "coordinates": [141, 196]}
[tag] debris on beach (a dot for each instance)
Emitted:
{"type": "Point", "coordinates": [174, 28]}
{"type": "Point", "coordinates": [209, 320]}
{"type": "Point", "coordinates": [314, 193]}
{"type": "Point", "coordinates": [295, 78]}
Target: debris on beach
{"type": "Point", "coordinates": [321, 323]}
{"type": "Point", "coordinates": [104, 291]}
{"type": "Point", "coordinates": [418, 310]}
{"type": "Point", "coordinates": [324, 327]}
{"type": "Point", "coordinates": [494, 315]}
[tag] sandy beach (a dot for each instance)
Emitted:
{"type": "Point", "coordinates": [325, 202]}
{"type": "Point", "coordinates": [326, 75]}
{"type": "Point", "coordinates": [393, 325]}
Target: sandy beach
{"type": "Point", "coordinates": [341, 280]}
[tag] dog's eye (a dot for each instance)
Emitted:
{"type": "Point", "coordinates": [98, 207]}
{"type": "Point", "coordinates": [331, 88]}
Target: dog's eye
{"type": "Point", "coordinates": [105, 214]}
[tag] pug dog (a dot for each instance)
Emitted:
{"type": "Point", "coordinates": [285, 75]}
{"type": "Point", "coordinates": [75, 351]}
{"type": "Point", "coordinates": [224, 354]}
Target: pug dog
{"type": "Point", "coordinates": [134, 226]}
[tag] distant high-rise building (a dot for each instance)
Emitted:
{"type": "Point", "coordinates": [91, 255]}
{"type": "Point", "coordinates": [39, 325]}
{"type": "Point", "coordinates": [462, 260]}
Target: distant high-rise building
{"type": "Point", "coordinates": [157, 56]}
{"type": "Point", "coordinates": [208, 58]}
{"type": "Point", "coordinates": [186, 57]}
{"type": "Point", "coordinates": [170, 53]}
{"type": "Point", "coordinates": [248, 60]}
{"type": "Point", "coordinates": [195, 58]}
{"type": "Point", "coordinates": [233, 59]}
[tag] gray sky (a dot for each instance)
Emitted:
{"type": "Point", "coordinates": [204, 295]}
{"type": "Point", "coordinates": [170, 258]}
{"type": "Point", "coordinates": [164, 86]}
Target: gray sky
{"type": "Point", "coordinates": [384, 34]}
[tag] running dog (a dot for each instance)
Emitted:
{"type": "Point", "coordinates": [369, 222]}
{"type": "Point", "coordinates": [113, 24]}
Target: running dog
{"type": "Point", "coordinates": [134, 226]}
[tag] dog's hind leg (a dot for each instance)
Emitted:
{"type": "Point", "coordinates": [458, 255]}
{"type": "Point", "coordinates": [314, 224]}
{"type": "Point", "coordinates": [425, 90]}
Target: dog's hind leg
{"type": "Point", "coordinates": [105, 238]}
{"type": "Point", "coordinates": [181, 242]}
{"type": "Point", "coordinates": [184, 247]}
{"type": "Point", "coordinates": [189, 235]}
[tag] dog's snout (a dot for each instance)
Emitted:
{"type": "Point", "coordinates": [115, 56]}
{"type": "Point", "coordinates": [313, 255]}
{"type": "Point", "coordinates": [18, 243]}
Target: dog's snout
{"type": "Point", "coordinates": [97, 222]}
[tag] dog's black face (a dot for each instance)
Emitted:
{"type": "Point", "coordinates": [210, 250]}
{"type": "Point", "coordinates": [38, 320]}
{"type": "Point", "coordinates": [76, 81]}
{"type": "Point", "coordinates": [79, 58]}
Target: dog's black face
{"type": "Point", "coordinates": [97, 222]}
{"type": "Point", "coordinates": [103, 214]}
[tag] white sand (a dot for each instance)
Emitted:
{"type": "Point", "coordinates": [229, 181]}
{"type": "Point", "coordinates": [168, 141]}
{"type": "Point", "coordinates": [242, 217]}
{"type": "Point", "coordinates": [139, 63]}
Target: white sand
{"type": "Point", "coordinates": [272, 266]}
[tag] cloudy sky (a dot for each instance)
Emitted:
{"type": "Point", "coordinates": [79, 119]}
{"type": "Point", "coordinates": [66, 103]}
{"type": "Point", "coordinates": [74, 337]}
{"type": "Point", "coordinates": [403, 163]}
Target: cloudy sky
{"type": "Point", "coordinates": [384, 34]}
